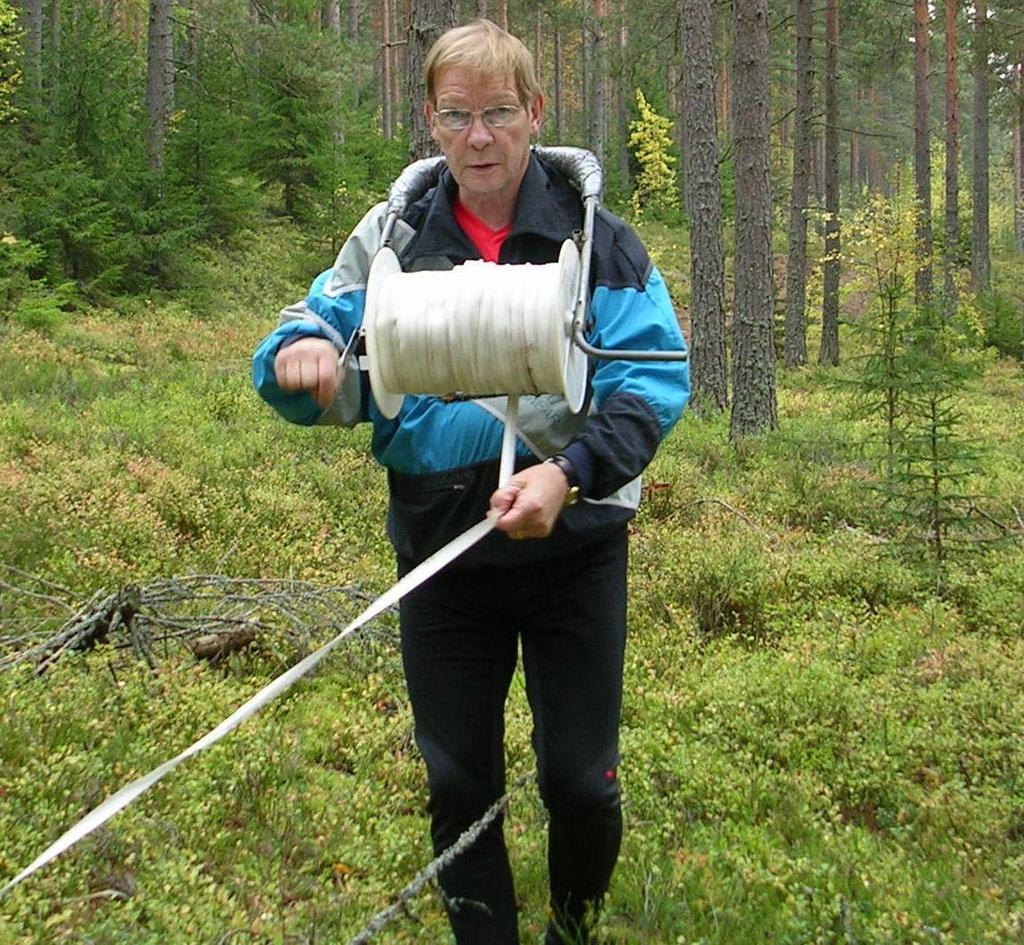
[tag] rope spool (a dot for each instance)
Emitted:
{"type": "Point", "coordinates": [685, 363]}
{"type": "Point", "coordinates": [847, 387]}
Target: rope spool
{"type": "Point", "coordinates": [479, 329]}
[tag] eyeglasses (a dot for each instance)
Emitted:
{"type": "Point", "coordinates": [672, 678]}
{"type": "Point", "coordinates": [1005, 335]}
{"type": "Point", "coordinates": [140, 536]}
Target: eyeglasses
{"type": "Point", "coordinates": [459, 119]}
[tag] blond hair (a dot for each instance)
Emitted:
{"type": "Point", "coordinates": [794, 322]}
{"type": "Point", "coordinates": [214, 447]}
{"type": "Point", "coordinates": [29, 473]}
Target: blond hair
{"type": "Point", "coordinates": [486, 47]}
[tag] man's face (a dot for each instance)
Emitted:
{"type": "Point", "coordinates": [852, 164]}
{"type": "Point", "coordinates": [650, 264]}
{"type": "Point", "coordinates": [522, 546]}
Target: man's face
{"type": "Point", "coordinates": [487, 162]}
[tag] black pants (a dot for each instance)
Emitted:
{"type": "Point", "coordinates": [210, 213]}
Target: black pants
{"type": "Point", "coordinates": [460, 634]}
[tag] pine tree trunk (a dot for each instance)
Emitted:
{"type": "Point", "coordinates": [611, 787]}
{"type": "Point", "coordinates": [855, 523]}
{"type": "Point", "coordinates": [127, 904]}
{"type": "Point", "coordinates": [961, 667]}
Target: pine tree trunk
{"type": "Point", "coordinates": [353, 20]}
{"type": "Point", "coordinates": [796, 266]}
{"type": "Point", "coordinates": [559, 105]}
{"type": "Point", "coordinates": [1018, 157]}
{"type": "Point", "coordinates": [330, 16]}
{"type": "Point", "coordinates": [753, 405]}
{"type": "Point", "coordinates": [876, 182]}
{"type": "Point", "coordinates": [538, 48]}
{"type": "Point", "coordinates": [708, 372]}
{"type": "Point", "coordinates": [159, 82]}
{"type": "Point", "coordinates": [32, 23]}
{"type": "Point", "coordinates": [922, 157]}
{"type": "Point", "coordinates": [622, 100]}
{"type": "Point", "coordinates": [502, 17]}
{"type": "Point", "coordinates": [53, 63]}
{"type": "Point", "coordinates": [829, 352]}
{"type": "Point", "coordinates": [586, 71]}
{"type": "Point", "coordinates": [388, 102]}
{"type": "Point", "coordinates": [952, 158]}
{"type": "Point", "coordinates": [428, 19]}
{"type": "Point", "coordinates": [399, 59]}
{"type": "Point", "coordinates": [980, 265]}
{"type": "Point", "coordinates": [599, 90]}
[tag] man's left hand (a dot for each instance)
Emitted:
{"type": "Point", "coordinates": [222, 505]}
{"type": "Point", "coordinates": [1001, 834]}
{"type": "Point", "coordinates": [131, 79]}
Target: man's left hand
{"type": "Point", "coordinates": [528, 505]}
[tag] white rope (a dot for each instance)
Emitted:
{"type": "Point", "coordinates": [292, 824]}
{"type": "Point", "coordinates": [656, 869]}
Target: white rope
{"type": "Point", "coordinates": [474, 330]}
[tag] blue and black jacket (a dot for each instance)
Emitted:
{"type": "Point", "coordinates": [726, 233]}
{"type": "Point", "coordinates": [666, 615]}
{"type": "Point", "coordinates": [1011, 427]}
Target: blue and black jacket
{"type": "Point", "coordinates": [442, 456]}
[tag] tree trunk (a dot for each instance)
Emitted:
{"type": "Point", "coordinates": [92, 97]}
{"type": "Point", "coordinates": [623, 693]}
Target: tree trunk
{"type": "Point", "coordinates": [586, 72]}
{"type": "Point", "coordinates": [952, 158]}
{"type": "Point", "coordinates": [428, 19]}
{"type": "Point", "coordinates": [796, 267]}
{"type": "Point", "coordinates": [159, 82]}
{"type": "Point", "coordinates": [980, 266]}
{"type": "Point", "coordinates": [399, 59]}
{"type": "Point", "coordinates": [753, 406]}
{"type": "Point", "coordinates": [502, 18]}
{"type": "Point", "coordinates": [599, 85]}
{"type": "Point", "coordinates": [387, 101]}
{"type": "Point", "coordinates": [353, 20]}
{"type": "Point", "coordinates": [922, 157]}
{"type": "Point", "coordinates": [32, 14]}
{"type": "Point", "coordinates": [53, 63]}
{"type": "Point", "coordinates": [829, 352]}
{"type": "Point", "coordinates": [538, 47]}
{"type": "Point", "coordinates": [330, 16]}
{"type": "Point", "coordinates": [708, 375]}
{"type": "Point", "coordinates": [876, 182]}
{"type": "Point", "coordinates": [559, 105]}
{"type": "Point", "coordinates": [481, 9]}
{"type": "Point", "coordinates": [622, 100]}
{"type": "Point", "coordinates": [1018, 157]}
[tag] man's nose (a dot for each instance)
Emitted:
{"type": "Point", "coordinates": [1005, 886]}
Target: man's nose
{"type": "Point", "coordinates": [479, 133]}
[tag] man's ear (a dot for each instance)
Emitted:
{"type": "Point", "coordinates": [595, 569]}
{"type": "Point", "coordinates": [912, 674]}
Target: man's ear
{"type": "Point", "coordinates": [536, 112]}
{"type": "Point", "coordinates": [428, 110]}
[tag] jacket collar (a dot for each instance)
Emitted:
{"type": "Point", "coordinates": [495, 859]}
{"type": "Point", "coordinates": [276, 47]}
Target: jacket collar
{"type": "Point", "coordinates": [546, 207]}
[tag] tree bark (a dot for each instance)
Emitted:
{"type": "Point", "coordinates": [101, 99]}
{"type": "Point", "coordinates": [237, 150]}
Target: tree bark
{"type": "Point", "coordinates": [952, 215]}
{"type": "Point", "coordinates": [53, 65]}
{"type": "Point", "coordinates": [980, 263]}
{"type": "Point", "coordinates": [796, 266]}
{"type": "Point", "coordinates": [428, 19]}
{"type": "Point", "coordinates": [599, 85]}
{"type": "Point", "coordinates": [829, 351]}
{"type": "Point", "coordinates": [753, 407]}
{"type": "Point", "coordinates": [559, 105]}
{"type": "Point", "coordinates": [353, 20]}
{"type": "Point", "coordinates": [387, 100]}
{"type": "Point", "coordinates": [32, 14]}
{"type": "Point", "coordinates": [159, 82]}
{"type": "Point", "coordinates": [330, 16]}
{"type": "Point", "coordinates": [708, 372]}
{"type": "Point", "coordinates": [586, 72]}
{"type": "Point", "coordinates": [1018, 156]}
{"type": "Point", "coordinates": [622, 99]}
{"type": "Point", "coordinates": [876, 180]}
{"type": "Point", "coordinates": [922, 157]}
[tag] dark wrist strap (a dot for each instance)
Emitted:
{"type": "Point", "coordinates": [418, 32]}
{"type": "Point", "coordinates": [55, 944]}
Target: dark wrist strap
{"type": "Point", "coordinates": [571, 479]}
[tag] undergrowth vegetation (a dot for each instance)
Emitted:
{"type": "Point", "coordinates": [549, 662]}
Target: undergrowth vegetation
{"type": "Point", "coordinates": [818, 746]}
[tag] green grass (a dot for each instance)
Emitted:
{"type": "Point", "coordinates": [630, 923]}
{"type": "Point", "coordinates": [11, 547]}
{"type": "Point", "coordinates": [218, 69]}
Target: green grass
{"type": "Point", "coordinates": [816, 750]}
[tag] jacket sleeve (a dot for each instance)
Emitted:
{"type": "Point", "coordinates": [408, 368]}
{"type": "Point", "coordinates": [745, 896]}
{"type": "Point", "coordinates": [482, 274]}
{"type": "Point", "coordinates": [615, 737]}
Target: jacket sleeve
{"type": "Point", "coordinates": [634, 403]}
{"type": "Point", "coordinates": [333, 310]}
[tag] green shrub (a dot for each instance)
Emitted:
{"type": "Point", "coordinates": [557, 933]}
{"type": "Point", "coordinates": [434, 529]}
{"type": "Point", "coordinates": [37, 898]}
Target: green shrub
{"type": "Point", "coordinates": [1003, 323]}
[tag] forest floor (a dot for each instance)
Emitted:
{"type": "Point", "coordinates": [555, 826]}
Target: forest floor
{"type": "Point", "coordinates": [820, 745]}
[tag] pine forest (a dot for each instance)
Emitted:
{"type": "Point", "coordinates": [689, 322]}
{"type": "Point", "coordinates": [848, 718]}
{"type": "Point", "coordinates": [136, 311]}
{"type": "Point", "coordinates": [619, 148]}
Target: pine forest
{"type": "Point", "coordinates": [823, 731]}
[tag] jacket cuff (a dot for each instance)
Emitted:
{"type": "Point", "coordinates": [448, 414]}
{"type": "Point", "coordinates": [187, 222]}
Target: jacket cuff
{"type": "Point", "coordinates": [583, 462]}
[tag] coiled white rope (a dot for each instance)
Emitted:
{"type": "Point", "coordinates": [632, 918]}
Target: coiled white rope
{"type": "Point", "coordinates": [478, 329]}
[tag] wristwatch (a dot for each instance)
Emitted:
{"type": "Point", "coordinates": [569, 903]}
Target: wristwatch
{"type": "Point", "coordinates": [569, 471]}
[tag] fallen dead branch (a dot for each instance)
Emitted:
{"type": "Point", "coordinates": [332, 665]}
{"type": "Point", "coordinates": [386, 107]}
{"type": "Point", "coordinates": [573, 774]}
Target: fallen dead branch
{"type": "Point", "coordinates": [211, 615]}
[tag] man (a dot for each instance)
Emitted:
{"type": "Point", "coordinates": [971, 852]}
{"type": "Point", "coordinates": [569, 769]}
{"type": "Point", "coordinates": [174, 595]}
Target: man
{"type": "Point", "coordinates": [553, 574]}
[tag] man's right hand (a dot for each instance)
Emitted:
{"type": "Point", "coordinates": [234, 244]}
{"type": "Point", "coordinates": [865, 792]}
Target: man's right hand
{"type": "Point", "coordinates": [311, 364]}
